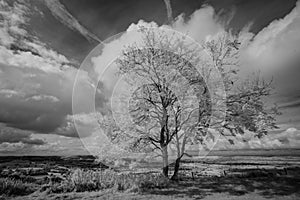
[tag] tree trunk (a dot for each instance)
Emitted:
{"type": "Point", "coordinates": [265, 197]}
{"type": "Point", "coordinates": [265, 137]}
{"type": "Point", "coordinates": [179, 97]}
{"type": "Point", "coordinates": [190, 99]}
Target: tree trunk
{"type": "Point", "coordinates": [164, 150]}
{"type": "Point", "coordinates": [176, 169]}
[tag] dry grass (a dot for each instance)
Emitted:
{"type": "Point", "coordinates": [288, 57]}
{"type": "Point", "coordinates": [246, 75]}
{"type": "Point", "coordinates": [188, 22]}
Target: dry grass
{"type": "Point", "coordinates": [80, 181]}
{"type": "Point", "coordinates": [10, 186]}
{"type": "Point", "coordinates": [112, 185]}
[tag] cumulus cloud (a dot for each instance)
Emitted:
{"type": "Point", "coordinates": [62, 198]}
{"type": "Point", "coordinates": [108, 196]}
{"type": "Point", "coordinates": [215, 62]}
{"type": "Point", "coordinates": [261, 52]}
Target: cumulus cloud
{"type": "Point", "coordinates": [276, 45]}
{"type": "Point", "coordinates": [290, 138]}
{"type": "Point", "coordinates": [200, 25]}
{"type": "Point", "coordinates": [275, 51]}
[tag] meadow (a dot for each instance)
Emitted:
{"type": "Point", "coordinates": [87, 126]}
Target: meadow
{"type": "Point", "coordinates": [242, 175]}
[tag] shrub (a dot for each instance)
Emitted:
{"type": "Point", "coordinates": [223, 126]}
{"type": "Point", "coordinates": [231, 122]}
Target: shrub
{"type": "Point", "coordinates": [10, 187]}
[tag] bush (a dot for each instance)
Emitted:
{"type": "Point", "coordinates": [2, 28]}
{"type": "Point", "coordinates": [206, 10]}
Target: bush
{"type": "Point", "coordinates": [14, 187]}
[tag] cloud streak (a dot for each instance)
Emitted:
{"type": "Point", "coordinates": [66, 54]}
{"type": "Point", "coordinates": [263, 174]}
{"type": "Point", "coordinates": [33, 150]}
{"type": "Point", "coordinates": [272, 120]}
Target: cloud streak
{"type": "Point", "coordinates": [62, 14]}
{"type": "Point", "coordinates": [169, 11]}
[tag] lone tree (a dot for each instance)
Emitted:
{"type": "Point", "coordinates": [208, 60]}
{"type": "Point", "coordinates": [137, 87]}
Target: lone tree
{"type": "Point", "coordinates": [245, 108]}
{"type": "Point", "coordinates": [173, 106]}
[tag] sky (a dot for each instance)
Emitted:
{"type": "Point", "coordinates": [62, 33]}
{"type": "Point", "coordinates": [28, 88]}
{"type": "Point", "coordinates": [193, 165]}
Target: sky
{"type": "Point", "coordinates": [44, 42]}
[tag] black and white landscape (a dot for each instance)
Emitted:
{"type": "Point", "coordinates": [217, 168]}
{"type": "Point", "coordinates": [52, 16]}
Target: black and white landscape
{"type": "Point", "coordinates": [160, 99]}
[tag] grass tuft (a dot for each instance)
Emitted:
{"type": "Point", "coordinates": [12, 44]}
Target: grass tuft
{"type": "Point", "coordinates": [87, 180]}
{"type": "Point", "coordinates": [14, 187]}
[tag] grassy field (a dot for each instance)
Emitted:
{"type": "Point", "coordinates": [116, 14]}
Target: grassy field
{"type": "Point", "coordinates": [201, 188]}
{"type": "Point", "coordinates": [213, 177]}
{"type": "Point", "coordinates": [87, 184]}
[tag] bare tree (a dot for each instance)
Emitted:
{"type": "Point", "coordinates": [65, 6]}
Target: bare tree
{"type": "Point", "coordinates": [174, 105]}
{"type": "Point", "coordinates": [163, 105]}
{"type": "Point", "coordinates": [245, 107]}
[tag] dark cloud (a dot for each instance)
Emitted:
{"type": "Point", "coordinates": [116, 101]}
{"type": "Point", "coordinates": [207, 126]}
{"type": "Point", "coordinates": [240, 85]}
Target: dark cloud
{"type": "Point", "coordinates": [39, 101]}
{"type": "Point", "coordinates": [10, 135]}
